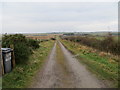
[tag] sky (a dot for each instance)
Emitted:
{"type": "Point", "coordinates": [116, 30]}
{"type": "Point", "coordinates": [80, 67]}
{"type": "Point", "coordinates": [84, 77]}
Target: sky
{"type": "Point", "coordinates": [42, 17]}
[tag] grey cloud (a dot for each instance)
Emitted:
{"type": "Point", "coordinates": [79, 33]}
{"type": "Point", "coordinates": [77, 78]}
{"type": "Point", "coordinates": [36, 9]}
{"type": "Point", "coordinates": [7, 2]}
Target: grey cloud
{"type": "Point", "coordinates": [19, 16]}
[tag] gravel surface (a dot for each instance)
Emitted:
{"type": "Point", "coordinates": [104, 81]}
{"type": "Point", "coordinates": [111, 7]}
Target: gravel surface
{"type": "Point", "coordinates": [63, 70]}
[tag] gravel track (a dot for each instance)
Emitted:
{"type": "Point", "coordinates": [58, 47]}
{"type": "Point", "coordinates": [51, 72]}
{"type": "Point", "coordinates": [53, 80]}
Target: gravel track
{"type": "Point", "coordinates": [63, 70]}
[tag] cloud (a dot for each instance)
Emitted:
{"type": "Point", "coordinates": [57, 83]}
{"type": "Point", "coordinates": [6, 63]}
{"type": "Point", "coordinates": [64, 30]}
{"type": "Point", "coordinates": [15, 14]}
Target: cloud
{"type": "Point", "coordinates": [0, 18]}
{"type": "Point", "coordinates": [59, 26]}
{"type": "Point", "coordinates": [49, 17]}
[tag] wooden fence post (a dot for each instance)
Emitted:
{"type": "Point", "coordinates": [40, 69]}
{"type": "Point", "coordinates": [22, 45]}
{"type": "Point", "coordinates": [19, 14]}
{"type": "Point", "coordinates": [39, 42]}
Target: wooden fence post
{"type": "Point", "coordinates": [13, 56]}
{"type": "Point", "coordinates": [1, 64]}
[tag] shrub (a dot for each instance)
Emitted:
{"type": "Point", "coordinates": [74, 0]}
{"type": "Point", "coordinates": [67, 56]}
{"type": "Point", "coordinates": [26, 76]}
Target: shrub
{"type": "Point", "coordinates": [22, 46]}
{"type": "Point", "coordinates": [33, 43]}
{"type": "Point", "coordinates": [22, 52]}
{"type": "Point", "coordinates": [107, 45]}
{"type": "Point", "coordinates": [53, 39]}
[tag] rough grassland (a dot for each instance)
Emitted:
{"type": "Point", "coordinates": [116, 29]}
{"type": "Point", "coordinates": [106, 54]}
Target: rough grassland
{"type": "Point", "coordinates": [104, 67]}
{"type": "Point", "coordinates": [0, 83]}
{"type": "Point", "coordinates": [22, 75]}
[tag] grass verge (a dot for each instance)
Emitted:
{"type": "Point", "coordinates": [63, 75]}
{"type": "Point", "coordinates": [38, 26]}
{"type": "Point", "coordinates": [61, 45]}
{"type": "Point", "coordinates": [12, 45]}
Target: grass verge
{"type": "Point", "coordinates": [61, 59]}
{"type": "Point", "coordinates": [0, 83]}
{"type": "Point", "coordinates": [22, 74]}
{"type": "Point", "coordinates": [104, 67]}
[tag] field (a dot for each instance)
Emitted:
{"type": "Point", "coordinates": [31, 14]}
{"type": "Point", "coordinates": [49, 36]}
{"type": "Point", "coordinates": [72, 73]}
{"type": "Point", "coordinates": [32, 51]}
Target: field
{"type": "Point", "coordinates": [103, 37]}
{"type": "Point", "coordinates": [42, 36]}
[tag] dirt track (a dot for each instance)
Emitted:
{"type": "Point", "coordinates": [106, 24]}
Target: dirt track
{"type": "Point", "coordinates": [62, 70]}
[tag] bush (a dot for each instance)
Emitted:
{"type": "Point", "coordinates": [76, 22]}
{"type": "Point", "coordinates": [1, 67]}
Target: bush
{"type": "Point", "coordinates": [107, 45]}
{"type": "Point", "coordinates": [22, 52]}
{"type": "Point", "coordinates": [22, 46]}
{"type": "Point", "coordinates": [33, 43]}
{"type": "Point", "coordinates": [53, 39]}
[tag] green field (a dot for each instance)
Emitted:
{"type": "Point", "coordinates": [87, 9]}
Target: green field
{"type": "Point", "coordinates": [103, 37]}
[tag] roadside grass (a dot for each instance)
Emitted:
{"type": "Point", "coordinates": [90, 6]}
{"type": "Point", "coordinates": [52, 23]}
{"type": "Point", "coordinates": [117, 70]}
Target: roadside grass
{"type": "Point", "coordinates": [0, 82]}
{"type": "Point", "coordinates": [22, 74]}
{"type": "Point", "coordinates": [61, 58]}
{"type": "Point", "coordinates": [103, 66]}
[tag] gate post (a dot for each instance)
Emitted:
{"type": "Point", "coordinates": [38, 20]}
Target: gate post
{"type": "Point", "coordinates": [13, 56]}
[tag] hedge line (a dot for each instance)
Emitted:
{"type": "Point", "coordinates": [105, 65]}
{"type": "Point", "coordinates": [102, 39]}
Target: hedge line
{"type": "Point", "coordinates": [23, 47]}
{"type": "Point", "coordinates": [107, 45]}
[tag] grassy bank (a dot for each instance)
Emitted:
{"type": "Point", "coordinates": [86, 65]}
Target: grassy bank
{"type": "Point", "coordinates": [22, 75]}
{"type": "Point", "coordinates": [0, 82]}
{"type": "Point", "coordinates": [105, 67]}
